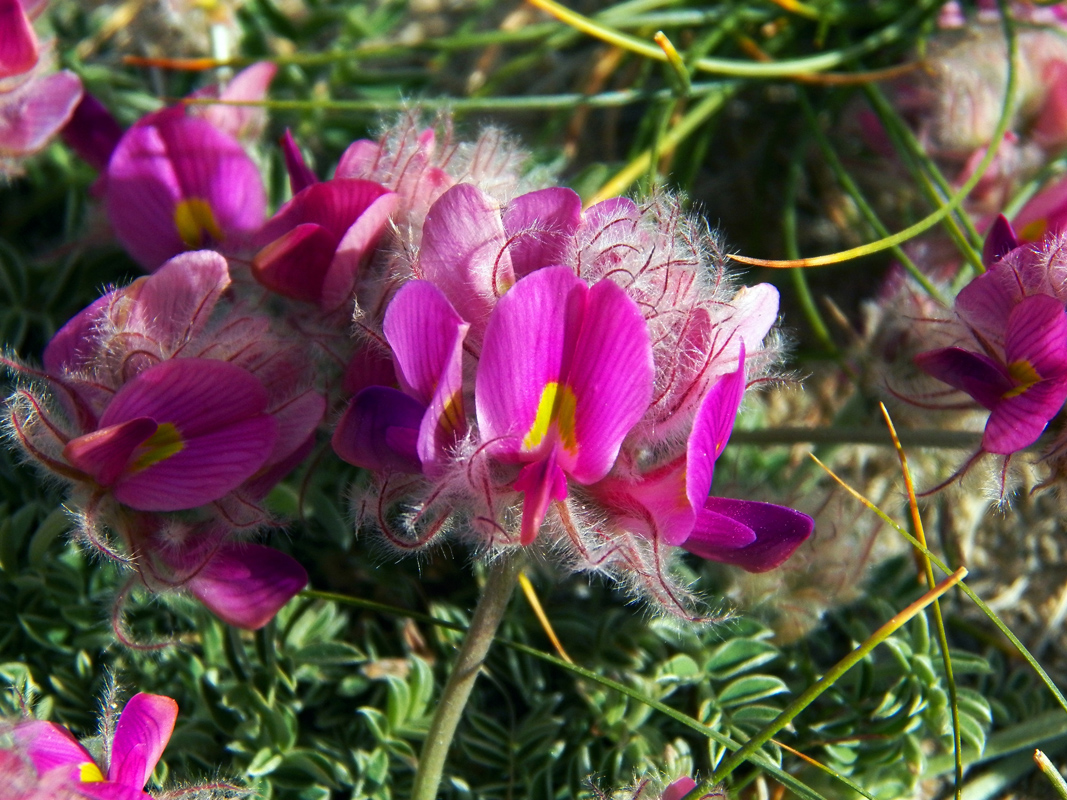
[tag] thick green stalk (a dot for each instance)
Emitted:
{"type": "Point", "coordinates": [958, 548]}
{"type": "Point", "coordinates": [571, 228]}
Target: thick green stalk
{"type": "Point", "coordinates": [498, 589]}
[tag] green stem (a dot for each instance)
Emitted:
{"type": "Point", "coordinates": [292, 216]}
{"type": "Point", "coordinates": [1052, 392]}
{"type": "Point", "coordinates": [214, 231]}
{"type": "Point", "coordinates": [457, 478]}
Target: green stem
{"type": "Point", "coordinates": [487, 616]}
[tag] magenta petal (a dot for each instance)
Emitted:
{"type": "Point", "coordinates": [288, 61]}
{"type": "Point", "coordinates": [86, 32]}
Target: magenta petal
{"type": "Point", "coordinates": [719, 533]}
{"type": "Point", "coordinates": [295, 264]}
{"type": "Point", "coordinates": [217, 411]}
{"type": "Point", "coordinates": [92, 132]}
{"type": "Point", "coordinates": [49, 746]}
{"type": "Point", "coordinates": [679, 789]}
{"type": "Point", "coordinates": [18, 43]}
{"type": "Point", "coordinates": [354, 250]}
{"type": "Point", "coordinates": [464, 252]}
{"type": "Point", "coordinates": [141, 734]}
{"type": "Point", "coordinates": [526, 341]}
{"type": "Point", "coordinates": [246, 584]}
{"type": "Point", "coordinates": [711, 431]}
{"type": "Point", "coordinates": [540, 226]}
{"type": "Point", "coordinates": [999, 241]}
{"type": "Point", "coordinates": [667, 512]}
{"type": "Point", "coordinates": [1018, 421]}
{"type": "Point", "coordinates": [611, 376]}
{"type": "Point", "coordinates": [36, 111]}
{"type": "Point", "coordinates": [300, 174]}
{"type": "Point", "coordinates": [103, 454]}
{"type": "Point", "coordinates": [426, 335]}
{"type": "Point", "coordinates": [540, 482]}
{"type": "Point", "coordinates": [379, 431]}
{"type": "Point", "coordinates": [979, 376]}
{"type": "Point", "coordinates": [1037, 334]}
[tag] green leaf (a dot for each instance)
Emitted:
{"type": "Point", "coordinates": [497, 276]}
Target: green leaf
{"type": "Point", "coordinates": [750, 689]}
{"type": "Point", "coordinates": [736, 656]}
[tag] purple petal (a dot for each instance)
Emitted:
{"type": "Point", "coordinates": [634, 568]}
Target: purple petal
{"type": "Point", "coordinates": [92, 132]}
{"type": "Point", "coordinates": [1037, 334]}
{"type": "Point", "coordinates": [246, 584]}
{"type": "Point", "coordinates": [141, 734]}
{"type": "Point", "coordinates": [355, 249]}
{"type": "Point", "coordinates": [979, 376]}
{"type": "Point", "coordinates": [540, 226]}
{"type": "Point", "coordinates": [464, 252]}
{"type": "Point", "coordinates": [611, 376]}
{"type": "Point", "coordinates": [103, 454]}
{"type": "Point", "coordinates": [999, 241]}
{"type": "Point", "coordinates": [295, 264]}
{"type": "Point", "coordinates": [35, 112]}
{"type": "Point", "coordinates": [18, 43]}
{"type": "Point", "coordinates": [379, 431]}
{"type": "Point", "coordinates": [174, 159]}
{"type": "Point", "coordinates": [219, 434]}
{"type": "Point", "coordinates": [679, 789]}
{"type": "Point", "coordinates": [1018, 421]}
{"type": "Point", "coordinates": [300, 174]}
{"type": "Point", "coordinates": [530, 334]}
{"type": "Point", "coordinates": [50, 746]}
{"type": "Point", "coordinates": [719, 533]}
{"type": "Point", "coordinates": [711, 431]}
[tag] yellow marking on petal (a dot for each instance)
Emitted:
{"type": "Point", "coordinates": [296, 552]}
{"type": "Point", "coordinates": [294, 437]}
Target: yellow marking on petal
{"type": "Point", "coordinates": [558, 404]}
{"type": "Point", "coordinates": [452, 417]}
{"type": "Point", "coordinates": [1035, 230]}
{"type": "Point", "coordinates": [90, 773]}
{"type": "Point", "coordinates": [194, 218]}
{"type": "Point", "coordinates": [161, 445]}
{"type": "Point", "coordinates": [1025, 374]}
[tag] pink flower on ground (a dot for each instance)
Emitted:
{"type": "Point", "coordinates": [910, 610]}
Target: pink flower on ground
{"type": "Point", "coordinates": [1014, 314]}
{"type": "Point", "coordinates": [62, 765]}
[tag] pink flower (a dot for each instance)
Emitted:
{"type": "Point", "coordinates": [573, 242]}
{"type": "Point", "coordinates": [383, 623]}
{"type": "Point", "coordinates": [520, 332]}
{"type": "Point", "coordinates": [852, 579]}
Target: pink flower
{"type": "Point", "coordinates": [556, 374]}
{"type": "Point", "coordinates": [67, 768]}
{"type": "Point", "coordinates": [1018, 366]}
{"type": "Point", "coordinates": [167, 396]}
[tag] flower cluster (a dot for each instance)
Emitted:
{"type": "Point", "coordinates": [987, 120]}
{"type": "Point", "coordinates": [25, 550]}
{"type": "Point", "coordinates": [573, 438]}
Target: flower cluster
{"type": "Point", "coordinates": [564, 376]}
{"type": "Point", "coordinates": [525, 370]}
